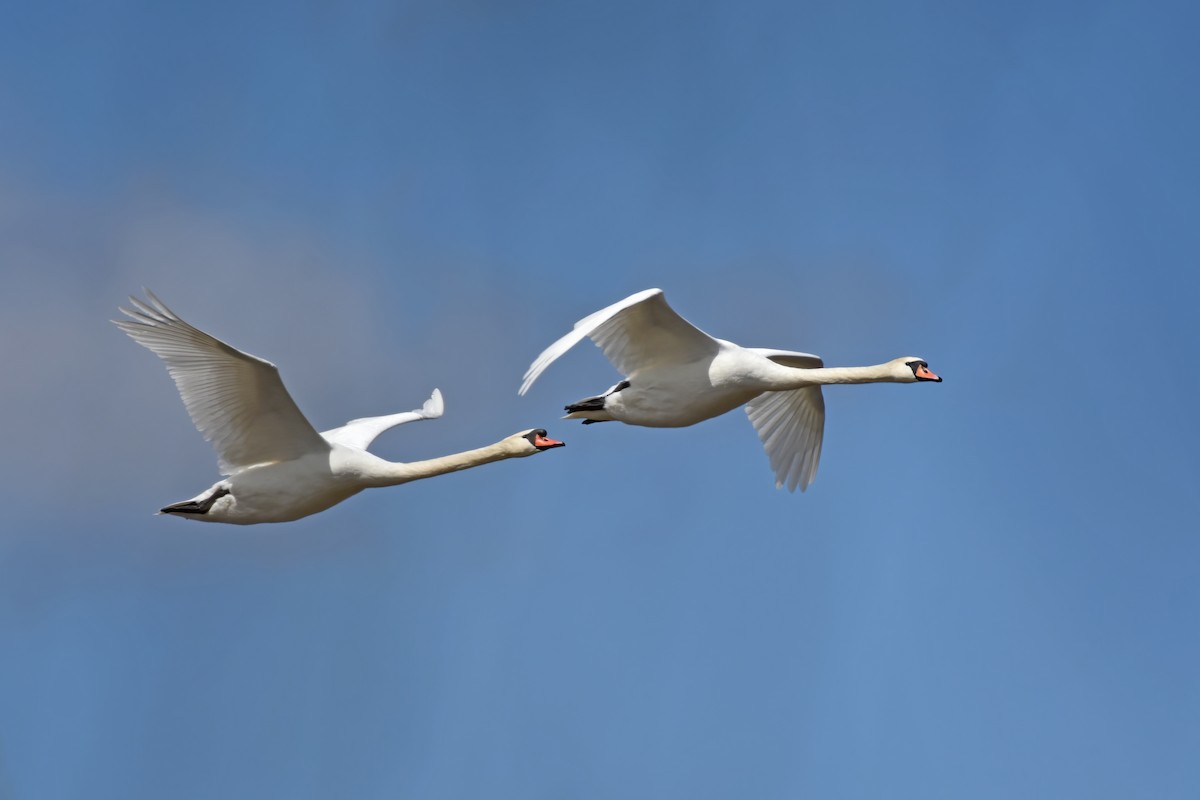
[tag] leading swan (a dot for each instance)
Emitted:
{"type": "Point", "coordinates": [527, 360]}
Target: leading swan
{"type": "Point", "coordinates": [678, 375]}
{"type": "Point", "coordinates": [278, 467]}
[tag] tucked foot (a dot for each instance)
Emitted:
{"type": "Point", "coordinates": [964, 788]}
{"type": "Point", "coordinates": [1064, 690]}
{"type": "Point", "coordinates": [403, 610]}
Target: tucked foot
{"type": "Point", "coordinates": [590, 404]}
{"type": "Point", "coordinates": [195, 506]}
{"type": "Point", "coordinates": [595, 403]}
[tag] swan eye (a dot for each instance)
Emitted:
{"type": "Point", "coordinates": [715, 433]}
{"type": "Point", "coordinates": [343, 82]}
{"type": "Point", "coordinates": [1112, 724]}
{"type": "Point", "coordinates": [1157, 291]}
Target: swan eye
{"type": "Point", "coordinates": [916, 367]}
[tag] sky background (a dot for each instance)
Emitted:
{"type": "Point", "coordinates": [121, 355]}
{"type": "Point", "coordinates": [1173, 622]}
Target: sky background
{"type": "Point", "coordinates": [990, 591]}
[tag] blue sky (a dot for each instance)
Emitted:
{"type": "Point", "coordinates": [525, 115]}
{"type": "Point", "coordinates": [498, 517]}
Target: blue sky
{"type": "Point", "coordinates": [990, 590]}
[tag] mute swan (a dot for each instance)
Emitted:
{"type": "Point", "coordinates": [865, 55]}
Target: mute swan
{"type": "Point", "coordinates": [678, 375]}
{"type": "Point", "coordinates": [278, 467]}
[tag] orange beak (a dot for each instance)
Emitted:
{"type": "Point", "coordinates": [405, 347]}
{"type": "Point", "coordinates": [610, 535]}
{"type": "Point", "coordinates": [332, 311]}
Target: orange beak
{"type": "Point", "coordinates": [545, 443]}
{"type": "Point", "coordinates": [924, 374]}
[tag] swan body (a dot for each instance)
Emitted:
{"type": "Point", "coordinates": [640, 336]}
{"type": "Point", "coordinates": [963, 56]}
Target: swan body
{"type": "Point", "coordinates": [278, 468]}
{"type": "Point", "coordinates": [676, 375]}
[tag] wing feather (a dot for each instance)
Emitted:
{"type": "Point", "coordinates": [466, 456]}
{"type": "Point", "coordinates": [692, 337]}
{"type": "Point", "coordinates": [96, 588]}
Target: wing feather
{"type": "Point", "coordinates": [361, 432]}
{"type": "Point", "coordinates": [635, 333]}
{"type": "Point", "coordinates": [791, 426]}
{"type": "Point", "coordinates": [236, 400]}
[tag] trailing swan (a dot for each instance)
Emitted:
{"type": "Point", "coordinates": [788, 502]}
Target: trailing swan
{"type": "Point", "coordinates": [277, 466]}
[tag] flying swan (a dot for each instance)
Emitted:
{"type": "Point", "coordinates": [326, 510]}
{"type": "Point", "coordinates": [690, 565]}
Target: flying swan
{"type": "Point", "coordinates": [677, 375]}
{"type": "Point", "coordinates": [277, 467]}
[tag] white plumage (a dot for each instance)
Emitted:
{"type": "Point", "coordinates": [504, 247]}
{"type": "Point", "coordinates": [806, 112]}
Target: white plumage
{"type": "Point", "coordinates": [278, 467]}
{"type": "Point", "coordinates": [677, 375]}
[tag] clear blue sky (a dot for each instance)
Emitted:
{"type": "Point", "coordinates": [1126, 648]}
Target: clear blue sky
{"type": "Point", "coordinates": [990, 591]}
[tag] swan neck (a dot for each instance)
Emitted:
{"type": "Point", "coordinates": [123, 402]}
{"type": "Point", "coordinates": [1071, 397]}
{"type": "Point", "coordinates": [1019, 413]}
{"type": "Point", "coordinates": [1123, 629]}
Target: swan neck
{"type": "Point", "coordinates": [394, 473]}
{"type": "Point", "coordinates": [824, 376]}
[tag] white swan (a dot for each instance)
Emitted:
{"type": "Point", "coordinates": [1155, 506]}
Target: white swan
{"type": "Point", "coordinates": [677, 375]}
{"type": "Point", "coordinates": [279, 468]}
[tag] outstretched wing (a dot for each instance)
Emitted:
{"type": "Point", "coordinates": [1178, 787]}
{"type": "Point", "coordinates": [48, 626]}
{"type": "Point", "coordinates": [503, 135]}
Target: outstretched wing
{"type": "Point", "coordinates": [791, 424]}
{"type": "Point", "coordinates": [638, 332]}
{"type": "Point", "coordinates": [237, 400]}
{"type": "Point", "coordinates": [360, 433]}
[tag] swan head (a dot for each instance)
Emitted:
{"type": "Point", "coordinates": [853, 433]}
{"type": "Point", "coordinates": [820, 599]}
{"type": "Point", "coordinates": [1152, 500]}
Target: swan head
{"type": "Point", "coordinates": [535, 441]}
{"type": "Point", "coordinates": [911, 369]}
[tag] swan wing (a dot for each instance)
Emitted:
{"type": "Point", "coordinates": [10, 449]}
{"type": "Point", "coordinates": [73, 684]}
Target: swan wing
{"type": "Point", "coordinates": [359, 433]}
{"type": "Point", "coordinates": [638, 332]}
{"type": "Point", "coordinates": [791, 426]}
{"type": "Point", "coordinates": [237, 401]}
{"type": "Point", "coordinates": [790, 358]}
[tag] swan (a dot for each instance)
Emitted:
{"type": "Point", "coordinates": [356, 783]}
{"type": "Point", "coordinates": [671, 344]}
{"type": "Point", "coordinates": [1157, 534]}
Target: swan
{"type": "Point", "coordinates": [277, 467]}
{"type": "Point", "coordinates": [677, 375]}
